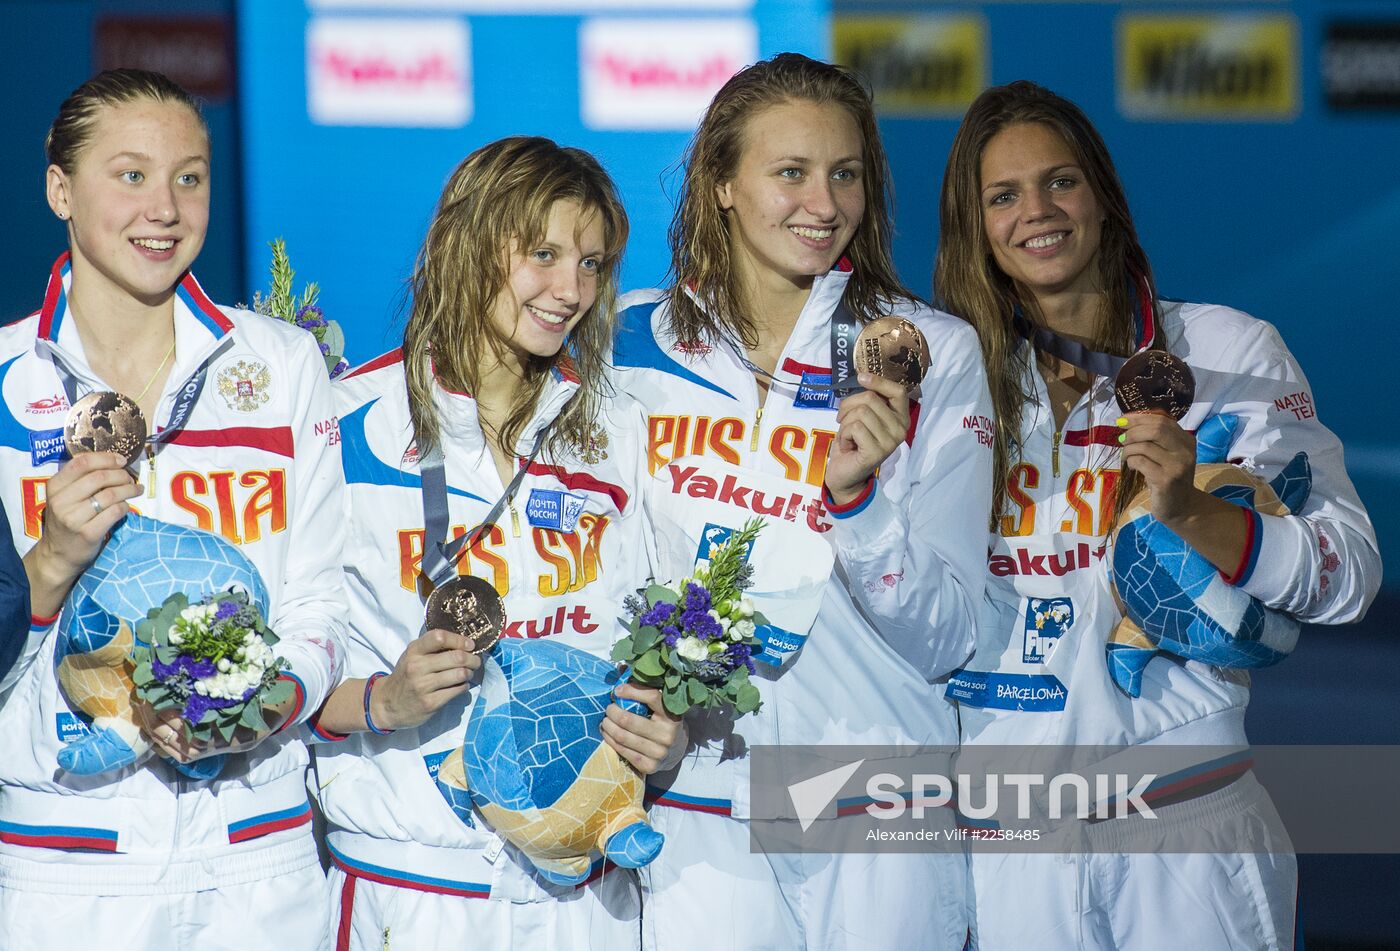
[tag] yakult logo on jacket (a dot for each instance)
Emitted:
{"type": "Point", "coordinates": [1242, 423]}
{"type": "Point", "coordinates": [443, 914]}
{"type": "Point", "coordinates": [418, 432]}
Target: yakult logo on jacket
{"type": "Point", "coordinates": [386, 72]}
{"type": "Point", "coordinates": [658, 74]}
{"type": "Point", "coordinates": [1022, 562]}
{"type": "Point", "coordinates": [686, 480]}
{"type": "Point", "coordinates": [1047, 620]}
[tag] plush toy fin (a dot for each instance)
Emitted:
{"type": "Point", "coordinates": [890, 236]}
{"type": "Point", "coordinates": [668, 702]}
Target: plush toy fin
{"type": "Point", "coordinates": [112, 744]}
{"type": "Point", "coordinates": [634, 845]}
{"type": "Point", "coordinates": [1214, 437]}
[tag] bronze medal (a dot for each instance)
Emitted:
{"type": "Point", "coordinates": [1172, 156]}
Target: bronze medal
{"type": "Point", "coordinates": [1155, 380]}
{"type": "Point", "coordinates": [104, 421]}
{"type": "Point", "coordinates": [895, 349]}
{"type": "Point", "coordinates": [470, 606]}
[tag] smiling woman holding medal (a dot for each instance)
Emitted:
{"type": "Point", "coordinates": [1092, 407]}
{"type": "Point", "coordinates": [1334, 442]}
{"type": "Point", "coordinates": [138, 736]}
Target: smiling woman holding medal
{"type": "Point", "coordinates": [784, 307]}
{"type": "Point", "coordinates": [129, 368]}
{"type": "Point", "coordinates": [1107, 398]}
{"type": "Point", "coordinates": [495, 487]}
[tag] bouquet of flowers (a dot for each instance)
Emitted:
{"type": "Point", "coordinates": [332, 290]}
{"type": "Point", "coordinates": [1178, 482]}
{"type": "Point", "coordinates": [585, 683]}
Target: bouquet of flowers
{"type": "Point", "coordinates": [210, 661]}
{"type": "Point", "coordinates": [695, 639]}
{"type": "Point", "coordinates": [281, 303]}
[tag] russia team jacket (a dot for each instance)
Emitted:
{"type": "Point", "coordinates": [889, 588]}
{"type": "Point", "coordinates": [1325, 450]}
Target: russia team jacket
{"type": "Point", "coordinates": [897, 614]}
{"type": "Point", "coordinates": [1029, 684]}
{"type": "Point", "coordinates": [388, 821]}
{"type": "Point", "coordinates": [259, 464]}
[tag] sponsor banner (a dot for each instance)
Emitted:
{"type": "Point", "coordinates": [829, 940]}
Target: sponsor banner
{"type": "Point", "coordinates": [388, 72]}
{"type": "Point", "coordinates": [658, 74]}
{"type": "Point", "coordinates": [1361, 65]}
{"type": "Point", "coordinates": [1075, 799]}
{"type": "Point", "coordinates": [531, 6]}
{"type": "Point", "coordinates": [194, 51]}
{"type": "Point", "coordinates": [916, 65]}
{"type": "Point", "coordinates": [1228, 67]}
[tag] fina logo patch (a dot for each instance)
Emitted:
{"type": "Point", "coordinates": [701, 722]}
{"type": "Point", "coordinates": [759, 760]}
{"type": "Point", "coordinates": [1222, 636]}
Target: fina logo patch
{"type": "Point", "coordinates": [711, 537]}
{"type": "Point", "coordinates": [552, 508]}
{"type": "Point", "coordinates": [45, 445]}
{"type": "Point", "coordinates": [1047, 620]}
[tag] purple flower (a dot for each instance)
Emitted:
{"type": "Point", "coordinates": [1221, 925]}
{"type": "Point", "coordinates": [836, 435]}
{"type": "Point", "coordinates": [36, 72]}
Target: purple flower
{"type": "Point", "coordinates": [737, 654]}
{"type": "Point", "coordinates": [340, 368]}
{"type": "Point", "coordinates": [226, 610]}
{"type": "Point", "coordinates": [199, 704]}
{"type": "Point", "coordinates": [658, 614]}
{"type": "Point", "coordinates": [325, 349]}
{"type": "Point", "coordinates": [310, 317]}
{"type": "Point", "coordinates": [195, 669]}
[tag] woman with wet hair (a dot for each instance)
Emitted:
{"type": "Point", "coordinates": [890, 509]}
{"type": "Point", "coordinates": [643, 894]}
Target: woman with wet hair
{"type": "Point", "coordinates": [1039, 252]}
{"type": "Point", "coordinates": [499, 387]}
{"type": "Point", "coordinates": [780, 256]}
{"type": "Point", "coordinates": [149, 855]}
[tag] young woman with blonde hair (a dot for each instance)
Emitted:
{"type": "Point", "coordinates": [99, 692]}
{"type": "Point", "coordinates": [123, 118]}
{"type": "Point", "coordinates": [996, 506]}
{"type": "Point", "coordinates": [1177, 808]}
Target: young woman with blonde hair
{"type": "Point", "coordinates": [498, 388]}
{"type": "Point", "coordinates": [781, 252]}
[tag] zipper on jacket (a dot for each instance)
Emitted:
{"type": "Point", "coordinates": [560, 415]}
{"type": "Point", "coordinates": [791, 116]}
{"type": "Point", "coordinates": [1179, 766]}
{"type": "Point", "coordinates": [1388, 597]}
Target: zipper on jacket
{"type": "Point", "coordinates": [514, 518]}
{"type": "Point", "coordinates": [150, 471]}
{"type": "Point", "coordinates": [1055, 454]}
{"type": "Point", "coordinates": [757, 425]}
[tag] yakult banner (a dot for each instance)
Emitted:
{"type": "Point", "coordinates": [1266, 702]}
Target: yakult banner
{"type": "Point", "coordinates": [916, 65]}
{"type": "Point", "coordinates": [388, 72]}
{"type": "Point", "coordinates": [1231, 66]}
{"type": "Point", "coordinates": [658, 74]}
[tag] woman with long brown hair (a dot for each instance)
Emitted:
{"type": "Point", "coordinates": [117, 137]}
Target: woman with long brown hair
{"type": "Point", "coordinates": [781, 253]}
{"type": "Point", "coordinates": [499, 389]}
{"type": "Point", "coordinates": [1039, 252]}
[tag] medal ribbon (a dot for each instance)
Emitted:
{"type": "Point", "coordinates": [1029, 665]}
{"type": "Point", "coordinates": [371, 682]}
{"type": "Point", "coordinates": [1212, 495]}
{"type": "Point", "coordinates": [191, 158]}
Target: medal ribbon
{"type": "Point", "coordinates": [844, 330]}
{"type": "Point", "coordinates": [1075, 353]}
{"type": "Point", "coordinates": [185, 397]}
{"type": "Point", "coordinates": [439, 555]}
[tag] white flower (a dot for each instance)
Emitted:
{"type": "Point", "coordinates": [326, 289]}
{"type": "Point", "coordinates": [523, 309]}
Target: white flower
{"type": "Point", "coordinates": [743, 628]}
{"type": "Point", "coordinates": [224, 665]}
{"type": "Point", "coordinates": [197, 614]}
{"type": "Point", "coordinates": [725, 624]}
{"type": "Point", "coordinates": [175, 637]}
{"type": "Point", "coordinates": [692, 649]}
{"type": "Point", "coordinates": [745, 606]}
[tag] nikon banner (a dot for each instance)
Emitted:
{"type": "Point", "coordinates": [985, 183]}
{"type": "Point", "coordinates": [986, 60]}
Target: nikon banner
{"type": "Point", "coordinates": [1228, 67]}
{"type": "Point", "coordinates": [916, 65]}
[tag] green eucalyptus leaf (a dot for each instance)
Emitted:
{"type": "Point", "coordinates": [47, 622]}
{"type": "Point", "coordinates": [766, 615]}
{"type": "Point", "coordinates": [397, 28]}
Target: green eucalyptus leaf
{"type": "Point", "coordinates": [622, 650]}
{"type": "Point", "coordinates": [649, 664]}
{"type": "Point", "coordinates": [675, 701]}
{"type": "Point", "coordinates": [698, 692]}
{"type": "Point", "coordinates": [748, 699]}
{"type": "Point", "coordinates": [657, 594]}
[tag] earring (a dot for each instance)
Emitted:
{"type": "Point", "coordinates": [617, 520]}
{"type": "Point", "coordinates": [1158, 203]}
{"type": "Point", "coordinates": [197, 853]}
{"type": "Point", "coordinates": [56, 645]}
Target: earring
{"type": "Point", "coordinates": [63, 216]}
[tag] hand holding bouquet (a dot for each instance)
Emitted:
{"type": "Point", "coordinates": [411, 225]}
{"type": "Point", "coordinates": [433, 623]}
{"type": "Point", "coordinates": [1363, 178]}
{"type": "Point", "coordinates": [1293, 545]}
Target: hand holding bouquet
{"type": "Point", "coordinates": [208, 670]}
{"type": "Point", "coordinates": [694, 640]}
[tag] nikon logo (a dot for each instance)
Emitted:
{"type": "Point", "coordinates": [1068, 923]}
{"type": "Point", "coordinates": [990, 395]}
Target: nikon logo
{"type": "Point", "coordinates": [916, 65]}
{"type": "Point", "coordinates": [1225, 67]}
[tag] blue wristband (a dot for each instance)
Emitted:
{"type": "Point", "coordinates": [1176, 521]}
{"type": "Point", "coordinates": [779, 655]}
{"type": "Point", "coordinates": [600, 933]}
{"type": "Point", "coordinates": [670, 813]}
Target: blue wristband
{"type": "Point", "coordinates": [369, 720]}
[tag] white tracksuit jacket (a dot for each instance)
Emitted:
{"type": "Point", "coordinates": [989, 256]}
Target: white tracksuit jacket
{"type": "Point", "coordinates": [259, 463]}
{"type": "Point", "coordinates": [1320, 565]}
{"type": "Point", "coordinates": [899, 611]}
{"type": "Point", "coordinates": [389, 824]}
